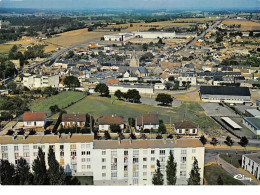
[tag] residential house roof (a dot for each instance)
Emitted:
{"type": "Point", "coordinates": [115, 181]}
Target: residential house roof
{"type": "Point", "coordinates": [108, 120]}
{"type": "Point", "coordinates": [147, 119]}
{"type": "Point", "coordinates": [185, 125]}
{"type": "Point", "coordinates": [73, 117]}
{"type": "Point", "coordinates": [34, 116]}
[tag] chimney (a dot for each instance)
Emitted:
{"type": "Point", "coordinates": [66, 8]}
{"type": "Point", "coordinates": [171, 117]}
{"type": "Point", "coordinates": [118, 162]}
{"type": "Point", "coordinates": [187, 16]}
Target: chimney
{"type": "Point", "coordinates": [130, 140]}
{"type": "Point", "coordinates": [69, 135]}
{"type": "Point", "coordinates": [119, 140]}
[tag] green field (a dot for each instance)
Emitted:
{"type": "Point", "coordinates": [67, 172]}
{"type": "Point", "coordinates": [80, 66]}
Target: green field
{"type": "Point", "coordinates": [212, 172]}
{"type": "Point", "coordinates": [63, 99]}
{"type": "Point", "coordinates": [100, 106]}
{"type": "Point", "coordinates": [233, 159]}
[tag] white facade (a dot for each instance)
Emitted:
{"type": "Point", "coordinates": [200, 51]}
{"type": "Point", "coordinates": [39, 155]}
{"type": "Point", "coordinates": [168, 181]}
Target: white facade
{"type": "Point", "coordinates": [125, 88]}
{"type": "Point", "coordinates": [155, 35]}
{"type": "Point", "coordinates": [110, 162]}
{"type": "Point", "coordinates": [34, 123]}
{"type": "Point", "coordinates": [33, 81]}
{"type": "Point", "coordinates": [118, 37]}
{"type": "Point", "coordinates": [192, 80]}
{"type": "Point", "coordinates": [251, 163]}
{"type": "Point", "coordinates": [107, 127]}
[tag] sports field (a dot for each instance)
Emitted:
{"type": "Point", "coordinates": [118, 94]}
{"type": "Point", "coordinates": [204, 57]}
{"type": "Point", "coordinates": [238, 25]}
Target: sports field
{"type": "Point", "coordinates": [100, 106]}
{"type": "Point", "coordinates": [63, 99]}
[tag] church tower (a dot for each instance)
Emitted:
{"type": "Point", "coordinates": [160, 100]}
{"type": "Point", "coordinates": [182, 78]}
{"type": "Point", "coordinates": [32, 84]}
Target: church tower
{"type": "Point", "coordinates": [134, 61]}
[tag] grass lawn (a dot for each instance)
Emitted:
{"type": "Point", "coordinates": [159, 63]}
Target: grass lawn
{"type": "Point", "coordinates": [63, 99]}
{"type": "Point", "coordinates": [212, 172]}
{"type": "Point", "coordinates": [85, 180]}
{"type": "Point", "coordinates": [100, 106]}
{"type": "Point", "coordinates": [233, 159]}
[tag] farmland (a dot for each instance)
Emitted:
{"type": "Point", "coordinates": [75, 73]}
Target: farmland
{"type": "Point", "coordinates": [100, 106]}
{"type": "Point", "coordinates": [61, 100]}
{"type": "Point", "coordinates": [245, 25]}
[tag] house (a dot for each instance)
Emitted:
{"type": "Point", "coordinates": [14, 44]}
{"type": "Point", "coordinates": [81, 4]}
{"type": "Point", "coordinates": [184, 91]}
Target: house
{"type": "Point", "coordinates": [253, 113]}
{"type": "Point", "coordinates": [147, 121]}
{"type": "Point", "coordinates": [72, 120]}
{"type": "Point", "coordinates": [225, 94]}
{"type": "Point", "coordinates": [253, 124]}
{"type": "Point", "coordinates": [186, 128]}
{"type": "Point", "coordinates": [105, 122]}
{"type": "Point", "coordinates": [34, 119]}
{"type": "Point", "coordinates": [251, 163]}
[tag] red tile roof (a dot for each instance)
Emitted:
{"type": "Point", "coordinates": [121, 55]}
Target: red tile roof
{"type": "Point", "coordinates": [108, 120]}
{"type": "Point", "coordinates": [34, 116]}
{"type": "Point", "coordinates": [73, 117]}
{"type": "Point", "coordinates": [148, 119]}
{"type": "Point", "coordinates": [185, 125]}
{"type": "Point", "coordinates": [113, 81]}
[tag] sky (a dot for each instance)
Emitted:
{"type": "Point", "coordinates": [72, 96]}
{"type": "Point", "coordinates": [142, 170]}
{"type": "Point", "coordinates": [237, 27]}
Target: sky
{"type": "Point", "coordinates": [134, 4]}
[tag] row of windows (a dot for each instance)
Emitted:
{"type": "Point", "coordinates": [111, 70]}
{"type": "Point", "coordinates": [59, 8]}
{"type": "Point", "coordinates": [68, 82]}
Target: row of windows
{"type": "Point", "coordinates": [135, 152]}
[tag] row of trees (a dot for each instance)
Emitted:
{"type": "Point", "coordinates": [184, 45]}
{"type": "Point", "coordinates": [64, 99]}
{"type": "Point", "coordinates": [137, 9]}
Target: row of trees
{"type": "Point", "coordinates": [171, 169]}
{"type": "Point", "coordinates": [21, 174]}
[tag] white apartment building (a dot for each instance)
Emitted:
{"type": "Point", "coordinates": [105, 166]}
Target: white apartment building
{"type": "Point", "coordinates": [34, 81]}
{"type": "Point", "coordinates": [110, 162]}
{"type": "Point", "coordinates": [251, 163]}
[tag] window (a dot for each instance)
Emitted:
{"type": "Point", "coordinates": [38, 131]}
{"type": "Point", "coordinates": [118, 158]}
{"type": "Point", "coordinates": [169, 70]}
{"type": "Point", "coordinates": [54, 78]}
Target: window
{"type": "Point", "coordinates": [114, 174]}
{"type": "Point", "coordinates": [16, 155]}
{"type": "Point", "coordinates": [61, 147]}
{"type": "Point", "coordinates": [113, 167]}
{"type": "Point", "coordinates": [34, 147]}
{"type": "Point", "coordinates": [135, 174]}
{"type": "Point", "coordinates": [103, 152]}
{"type": "Point", "coordinates": [103, 167]}
{"type": "Point", "coordinates": [43, 147]}
{"type": "Point", "coordinates": [88, 152]}
{"type": "Point", "coordinates": [183, 159]}
{"type": "Point", "coordinates": [152, 151]}
{"type": "Point", "coordinates": [87, 145]}
{"type": "Point", "coordinates": [136, 152]}
{"type": "Point", "coordinates": [183, 173]}
{"type": "Point", "coordinates": [135, 160]}
{"type": "Point", "coordinates": [26, 154]}
{"type": "Point", "coordinates": [193, 150]}
{"type": "Point", "coordinates": [73, 146]}
{"type": "Point", "coordinates": [4, 155]}
{"type": "Point", "coordinates": [183, 166]}
{"type": "Point", "coordinates": [73, 153]}
{"type": "Point", "coordinates": [16, 148]}
{"type": "Point", "coordinates": [135, 181]}
{"type": "Point", "coordinates": [83, 146]}
{"type": "Point", "coordinates": [83, 160]}
{"type": "Point", "coordinates": [61, 154]}
{"type": "Point", "coordinates": [35, 153]}
{"type": "Point", "coordinates": [153, 159]}
{"type": "Point", "coordinates": [114, 160]}
{"type": "Point", "coordinates": [125, 174]}
{"type": "Point", "coordinates": [103, 174]}
{"type": "Point", "coordinates": [144, 166]}
{"type": "Point", "coordinates": [52, 146]}
{"type": "Point", "coordinates": [162, 159]}
{"type": "Point", "coordinates": [144, 173]}
{"type": "Point", "coordinates": [126, 153]}
{"type": "Point", "coordinates": [162, 152]}
{"type": "Point", "coordinates": [83, 153]}
{"type": "Point", "coordinates": [26, 147]}
{"type": "Point", "coordinates": [88, 159]}
{"type": "Point", "coordinates": [144, 159]}
{"type": "Point", "coordinates": [103, 160]}
{"type": "Point", "coordinates": [162, 166]}
{"type": "Point", "coordinates": [183, 151]}
{"type": "Point", "coordinates": [193, 158]}
{"type": "Point", "coordinates": [88, 166]}
{"type": "Point", "coordinates": [125, 168]}
{"type": "Point", "coordinates": [83, 167]}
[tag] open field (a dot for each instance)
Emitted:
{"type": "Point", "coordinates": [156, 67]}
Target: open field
{"type": "Point", "coordinates": [100, 106]}
{"type": "Point", "coordinates": [196, 19]}
{"type": "Point", "coordinates": [245, 25]}
{"type": "Point", "coordinates": [212, 172]}
{"type": "Point", "coordinates": [4, 48]}
{"type": "Point", "coordinates": [233, 159]}
{"type": "Point", "coordinates": [194, 97]}
{"type": "Point", "coordinates": [62, 100]}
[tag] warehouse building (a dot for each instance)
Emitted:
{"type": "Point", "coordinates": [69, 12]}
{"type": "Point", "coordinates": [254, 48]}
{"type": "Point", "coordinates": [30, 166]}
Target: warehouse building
{"type": "Point", "coordinates": [225, 94]}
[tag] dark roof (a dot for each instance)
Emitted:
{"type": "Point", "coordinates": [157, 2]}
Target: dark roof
{"type": "Point", "coordinates": [185, 125]}
{"type": "Point", "coordinates": [34, 116]}
{"type": "Point", "coordinates": [223, 90]}
{"type": "Point", "coordinates": [108, 120]}
{"type": "Point", "coordinates": [147, 119]}
{"type": "Point", "coordinates": [73, 117]}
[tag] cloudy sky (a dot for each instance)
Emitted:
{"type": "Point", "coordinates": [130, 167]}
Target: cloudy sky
{"type": "Point", "coordinates": [137, 4]}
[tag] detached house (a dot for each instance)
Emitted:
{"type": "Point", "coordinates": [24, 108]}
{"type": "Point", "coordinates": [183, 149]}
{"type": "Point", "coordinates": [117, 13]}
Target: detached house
{"type": "Point", "coordinates": [71, 120]}
{"type": "Point", "coordinates": [147, 121]}
{"type": "Point", "coordinates": [34, 119]}
{"type": "Point", "coordinates": [105, 122]}
{"type": "Point", "coordinates": [186, 128]}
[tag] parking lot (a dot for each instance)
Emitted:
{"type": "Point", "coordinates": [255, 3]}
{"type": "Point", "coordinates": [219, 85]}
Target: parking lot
{"type": "Point", "coordinates": [216, 109]}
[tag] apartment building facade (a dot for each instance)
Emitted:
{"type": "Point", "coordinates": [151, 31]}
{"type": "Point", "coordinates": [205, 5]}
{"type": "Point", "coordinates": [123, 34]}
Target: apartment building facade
{"type": "Point", "coordinates": [110, 162]}
{"type": "Point", "coordinates": [251, 163]}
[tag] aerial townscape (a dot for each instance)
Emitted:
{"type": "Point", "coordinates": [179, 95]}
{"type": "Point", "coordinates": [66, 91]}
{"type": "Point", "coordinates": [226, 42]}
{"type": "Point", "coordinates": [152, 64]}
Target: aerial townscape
{"type": "Point", "coordinates": [124, 95]}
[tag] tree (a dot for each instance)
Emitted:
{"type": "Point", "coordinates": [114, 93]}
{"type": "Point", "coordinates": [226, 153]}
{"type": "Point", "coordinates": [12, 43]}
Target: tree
{"type": "Point", "coordinates": [243, 141]}
{"type": "Point", "coordinates": [214, 141]}
{"type": "Point", "coordinates": [160, 42]}
{"type": "Point", "coordinates": [24, 176]}
{"type": "Point", "coordinates": [39, 169]}
{"type": "Point", "coordinates": [171, 78]}
{"type": "Point", "coordinates": [107, 135]}
{"type": "Point", "coordinates": [115, 128]}
{"type": "Point", "coordinates": [162, 127]}
{"type": "Point", "coordinates": [7, 173]}
{"type": "Point", "coordinates": [229, 141]}
{"type": "Point", "coordinates": [56, 173]}
{"type": "Point", "coordinates": [102, 89]}
{"type": "Point", "coordinates": [194, 174]}
{"type": "Point", "coordinates": [54, 109]}
{"type": "Point", "coordinates": [220, 181]}
{"type": "Point", "coordinates": [12, 86]}
{"type": "Point", "coordinates": [165, 99]}
{"type": "Point", "coordinates": [71, 82]}
{"type": "Point", "coordinates": [158, 176]}
{"type": "Point", "coordinates": [251, 34]}
{"type": "Point", "coordinates": [131, 122]}
{"type": "Point", "coordinates": [203, 139]}
{"type": "Point", "coordinates": [169, 86]}
{"type": "Point", "coordinates": [145, 46]}
{"type": "Point", "coordinates": [133, 95]}
{"type": "Point", "coordinates": [171, 169]}
{"type": "Point", "coordinates": [118, 94]}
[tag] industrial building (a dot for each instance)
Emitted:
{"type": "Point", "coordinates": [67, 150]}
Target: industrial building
{"type": "Point", "coordinates": [225, 94]}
